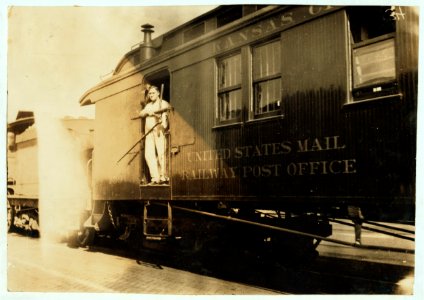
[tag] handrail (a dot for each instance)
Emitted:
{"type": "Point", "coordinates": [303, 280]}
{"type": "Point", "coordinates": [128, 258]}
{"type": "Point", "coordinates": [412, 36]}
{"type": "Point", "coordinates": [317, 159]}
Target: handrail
{"type": "Point", "coordinates": [229, 218]}
{"type": "Point", "coordinates": [146, 133]}
{"type": "Point", "coordinates": [282, 229]}
{"type": "Point", "coordinates": [143, 137]}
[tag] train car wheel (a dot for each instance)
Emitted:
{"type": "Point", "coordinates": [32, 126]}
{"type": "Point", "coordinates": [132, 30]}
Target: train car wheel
{"type": "Point", "coordinates": [10, 217]}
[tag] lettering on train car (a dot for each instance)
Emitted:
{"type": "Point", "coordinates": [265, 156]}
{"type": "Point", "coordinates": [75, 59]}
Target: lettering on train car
{"type": "Point", "coordinates": [291, 168]}
{"type": "Point", "coordinates": [208, 155]}
{"type": "Point", "coordinates": [263, 149]}
{"type": "Point", "coordinates": [268, 170]}
{"type": "Point", "coordinates": [270, 25]}
{"type": "Point", "coordinates": [325, 167]}
{"type": "Point", "coordinates": [328, 143]}
{"type": "Point", "coordinates": [212, 173]}
{"type": "Point", "coordinates": [344, 166]}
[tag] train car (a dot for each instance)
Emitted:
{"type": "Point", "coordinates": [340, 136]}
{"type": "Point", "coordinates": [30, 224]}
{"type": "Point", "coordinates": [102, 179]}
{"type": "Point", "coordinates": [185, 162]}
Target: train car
{"type": "Point", "coordinates": [280, 118]}
{"type": "Point", "coordinates": [25, 165]}
{"type": "Point", "coordinates": [22, 181]}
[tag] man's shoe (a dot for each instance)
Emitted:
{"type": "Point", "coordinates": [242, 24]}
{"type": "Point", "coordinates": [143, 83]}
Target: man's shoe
{"type": "Point", "coordinates": [164, 180]}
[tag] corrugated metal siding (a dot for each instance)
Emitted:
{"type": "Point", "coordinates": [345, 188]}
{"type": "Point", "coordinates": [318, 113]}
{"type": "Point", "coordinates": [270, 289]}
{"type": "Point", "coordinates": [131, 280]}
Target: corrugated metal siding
{"type": "Point", "coordinates": [314, 76]}
{"type": "Point", "coordinates": [193, 94]}
{"type": "Point", "coordinates": [374, 134]}
{"type": "Point", "coordinates": [315, 83]}
{"type": "Point", "coordinates": [115, 134]}
{"type": "Point", "coordinates": [314, 79]}
{"type": "Point", "coordinates": [384, 133]}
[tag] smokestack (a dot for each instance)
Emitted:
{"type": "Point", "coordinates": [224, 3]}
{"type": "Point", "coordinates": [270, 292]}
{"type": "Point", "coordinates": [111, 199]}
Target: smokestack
{"type": "Point", "coordinates": [146, 49]}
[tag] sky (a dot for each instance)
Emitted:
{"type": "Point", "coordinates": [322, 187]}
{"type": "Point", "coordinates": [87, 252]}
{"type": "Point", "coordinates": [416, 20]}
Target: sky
{"type": "Point", "coordinates": [55, 54]}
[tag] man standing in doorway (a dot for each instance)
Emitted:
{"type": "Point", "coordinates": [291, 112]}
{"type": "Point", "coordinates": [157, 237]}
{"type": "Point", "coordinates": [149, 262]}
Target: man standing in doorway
{"type": "Point", "coordinates": [156, 114]}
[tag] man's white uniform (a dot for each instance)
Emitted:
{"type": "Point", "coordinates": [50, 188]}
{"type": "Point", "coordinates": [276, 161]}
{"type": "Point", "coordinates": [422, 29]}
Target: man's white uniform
{"type": "Point", "coordinates": [155, 145]}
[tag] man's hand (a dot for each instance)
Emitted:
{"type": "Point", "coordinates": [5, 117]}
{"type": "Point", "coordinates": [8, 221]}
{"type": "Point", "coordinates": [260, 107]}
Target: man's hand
{"type": "Point", "coordinates": [142, 114]}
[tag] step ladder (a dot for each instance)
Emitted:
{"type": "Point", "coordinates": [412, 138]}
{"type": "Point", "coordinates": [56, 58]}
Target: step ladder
{"type": "Point", "coordinates": [157, 221]}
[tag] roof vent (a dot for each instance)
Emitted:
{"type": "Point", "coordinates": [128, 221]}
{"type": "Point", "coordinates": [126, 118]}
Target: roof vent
{"type": "Point", "coordinates": [146, 49]}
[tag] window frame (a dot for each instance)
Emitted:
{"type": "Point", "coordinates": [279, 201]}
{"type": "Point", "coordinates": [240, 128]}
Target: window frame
{"type": "Point", "coordinates": [253, 115]}
{"type": "Point", "coordinates": [228, 89]}
{"type": "Point", "coordinates": [377, 90]}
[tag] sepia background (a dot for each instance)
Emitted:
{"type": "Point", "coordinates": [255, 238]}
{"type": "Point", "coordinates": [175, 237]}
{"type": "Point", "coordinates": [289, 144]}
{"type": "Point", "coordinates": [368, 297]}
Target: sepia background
{"type": "Point", "coordinates": [56, 53]}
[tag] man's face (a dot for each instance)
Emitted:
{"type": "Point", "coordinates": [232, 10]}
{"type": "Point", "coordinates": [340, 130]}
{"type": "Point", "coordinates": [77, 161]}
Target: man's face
{"type": "Point", "coordinates": [153, 94]}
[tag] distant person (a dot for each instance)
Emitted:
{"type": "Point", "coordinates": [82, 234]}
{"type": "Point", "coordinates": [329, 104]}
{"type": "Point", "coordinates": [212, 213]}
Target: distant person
{"type": "Point", "coordinates": [155, 127]}
{"type": "Point", "coordinates": [355, 214]}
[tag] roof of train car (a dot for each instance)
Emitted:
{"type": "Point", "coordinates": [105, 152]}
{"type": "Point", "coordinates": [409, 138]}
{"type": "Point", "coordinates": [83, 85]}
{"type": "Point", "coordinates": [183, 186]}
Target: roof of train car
{"type": "Point", "coordinates": [24, 119]}
{"type": "Point", "coordinates": [161, 46]}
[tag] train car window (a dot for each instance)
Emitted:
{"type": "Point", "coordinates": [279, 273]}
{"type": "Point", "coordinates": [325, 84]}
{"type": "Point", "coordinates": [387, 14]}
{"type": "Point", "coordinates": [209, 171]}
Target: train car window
{"type": "Point", "coordinates": [372, 32]}
{"type": "Point", "coordinates": [229, 89]}
{"type": "Point", "coordinates": [266, 75]}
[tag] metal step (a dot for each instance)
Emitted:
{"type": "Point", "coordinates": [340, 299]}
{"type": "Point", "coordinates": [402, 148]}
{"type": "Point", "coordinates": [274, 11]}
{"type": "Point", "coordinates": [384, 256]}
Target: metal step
{"type": "Point", "coordinates": [157, 223]}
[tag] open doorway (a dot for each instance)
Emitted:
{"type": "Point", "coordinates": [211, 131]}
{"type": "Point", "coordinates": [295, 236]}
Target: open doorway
{"type": "Point", "coordinates": [160, 79]}
{"type": "Point", "coordinates": [155, 128]}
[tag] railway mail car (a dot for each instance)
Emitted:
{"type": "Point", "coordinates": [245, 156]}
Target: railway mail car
{"type": "Point", "coordinates": [281, 116]}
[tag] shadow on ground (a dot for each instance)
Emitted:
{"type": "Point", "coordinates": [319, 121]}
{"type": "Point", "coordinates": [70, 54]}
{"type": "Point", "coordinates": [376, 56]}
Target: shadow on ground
{"type": "Point", "coordinates": [323, 275]}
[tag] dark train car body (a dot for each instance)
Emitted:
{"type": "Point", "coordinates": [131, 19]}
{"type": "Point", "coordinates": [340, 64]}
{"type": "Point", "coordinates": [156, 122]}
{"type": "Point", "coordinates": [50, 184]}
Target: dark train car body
{"type": "Point", "coordinates": [296, 109]}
